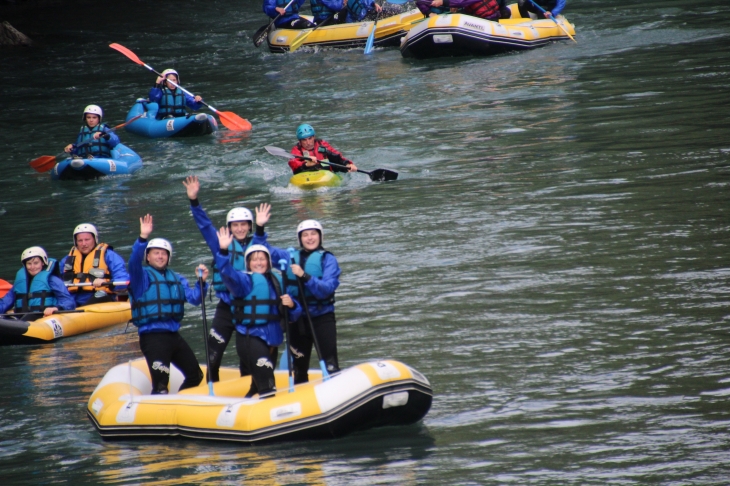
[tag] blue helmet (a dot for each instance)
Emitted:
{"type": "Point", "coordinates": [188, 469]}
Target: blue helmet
{"type": "Point", "coordinates": [304, 131]}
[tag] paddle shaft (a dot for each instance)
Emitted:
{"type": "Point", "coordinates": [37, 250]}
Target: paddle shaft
{"type": "Point", "coordinates": [371, 38]}
{"type": "Point", "coordinates": [106, 284]}
{"type": "Point", "coordinates": [554, 20]}
{"type": "Point", "coordinates": [205, 330]}
{"type": "Point", "coordinates": [297, 42]}
{"type": "Point", "coordinates": [41, 312]}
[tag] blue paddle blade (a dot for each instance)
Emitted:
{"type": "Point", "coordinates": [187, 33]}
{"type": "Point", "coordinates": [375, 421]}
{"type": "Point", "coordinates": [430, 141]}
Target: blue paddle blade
{"type": "Point", "coordinates": [371, 39]}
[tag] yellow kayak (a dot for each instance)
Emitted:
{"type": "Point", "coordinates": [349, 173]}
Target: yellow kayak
{"type": "Point", "coordinates": [316, 179]}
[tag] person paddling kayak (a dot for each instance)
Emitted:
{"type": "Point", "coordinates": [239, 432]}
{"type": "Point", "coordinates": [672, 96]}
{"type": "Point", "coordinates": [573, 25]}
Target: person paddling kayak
{"type": "Point", "coordinates": [171, 99]}
{"type": "Point", "coordinates": [95, 139]}
{"type": "Point", "coordinates": [317, 151]}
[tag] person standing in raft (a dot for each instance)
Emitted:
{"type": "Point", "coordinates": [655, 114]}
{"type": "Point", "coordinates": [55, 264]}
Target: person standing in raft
{"type": "Point", "coordinates": [95, 139]}
{"type": "Point", "coordinates": [317, 151]}
{"type": "Point", "coordinates": [171, 100]}
{"type": "Point", "coordinates": [38, 288]}
{"type": "Point", "coordinates": [319, 273]}
{"type": "Point", "coordinates": [93, 262]}
{"type": "Point", "coordinates": [286, 14]}
{"type": "Point", "coordinates": [240, 222]}
{"type": "Point", "coordinates": [158, 297]}
{"type": "Point", "coordinates": [552, 8]}
{"type": "Point", "coordinates": [259, 301]}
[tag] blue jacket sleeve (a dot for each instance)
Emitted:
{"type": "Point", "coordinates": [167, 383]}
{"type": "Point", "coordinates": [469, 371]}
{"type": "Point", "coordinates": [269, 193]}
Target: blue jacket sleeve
{"type": "Point", "coordinates": [113, 140]}
{"type": "Point", "coordinates": [296, 312]}
{"type": "Point", "coordinates": [238, 283]}
{"type": "Point", "coordinates": [190, 101]}
{"type": "Point", "coordinates": [192, 295]}
{"type": "Point", "coordinates": [155, 95]}
{"type": "Point", "coordinates": [325, 286]}
{"type": "Point", "coordinates": [334, 5]}
{"type": "Point", "coordinates": [206, 228]}
{"type": "Point", "coordinates": [7, 302]}
{"type": "Point", "coordinates": [138, 280]}
{"type": "Point", "coordinates": [558, 8]}
{"type": "Point", "coordinates": [116, 266]}
{"type": "Point", "coordinates": [65, 300]}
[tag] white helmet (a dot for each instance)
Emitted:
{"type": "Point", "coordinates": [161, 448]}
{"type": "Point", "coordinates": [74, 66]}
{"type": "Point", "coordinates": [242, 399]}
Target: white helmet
{"type": "Point", "coordinates": [34, 251]}
{"type": "Point", "coordinates": [86, 228]}
{"type": "Point", "coordinates": [94, 110]}
{"type": "Point", "coordinates": [239, 214]}
{"type": "Point", "coordinates": [308, 224]}
{"type": "Point", "coordinates": [171, 71]}
{"type": "Point", "coordinates": [255, 248]}
{"type": "Point", "coordinates": [160, 243]}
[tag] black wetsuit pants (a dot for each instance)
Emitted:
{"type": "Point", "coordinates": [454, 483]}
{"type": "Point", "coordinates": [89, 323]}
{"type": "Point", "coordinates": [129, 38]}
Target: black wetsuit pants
{"type": "Point", "coordinates": [160, 349]}
{"type": "Point", "coordinates": [257, 359]}
{"type": "Point", "coordinates": [301, 342]}
{"type": "Point", "coordinates": [218, 337]}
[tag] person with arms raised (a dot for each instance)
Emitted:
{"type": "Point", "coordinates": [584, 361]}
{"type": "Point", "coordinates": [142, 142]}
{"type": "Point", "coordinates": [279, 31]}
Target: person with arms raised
{"type": "Point", "coordinates": [171, 99]}
{"type": "Point", "coordinates": [93, 262]}
{"type": "Point", "coordinates": [38, 288]}
{"type": "Point", "coordinates": [317, 151]}
{"type": "Point", "coordinates": [95, 139]}
{"type": "Point", "coordinates": [158, 297]}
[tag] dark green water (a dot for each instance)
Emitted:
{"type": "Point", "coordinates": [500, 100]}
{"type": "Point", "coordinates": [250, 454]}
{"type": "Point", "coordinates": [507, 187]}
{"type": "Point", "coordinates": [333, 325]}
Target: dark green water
{"type": "Point", "coordinates": [553, 257]}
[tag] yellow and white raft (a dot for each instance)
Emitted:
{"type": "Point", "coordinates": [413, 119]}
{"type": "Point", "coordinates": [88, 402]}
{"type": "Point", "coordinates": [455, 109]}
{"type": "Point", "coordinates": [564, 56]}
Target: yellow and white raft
{"type": "Point", "coordinates": [316, 179]}
{"type": "Point", "coordinates": [461, 34]}
{"type": "Point", "coordinates": [387, 33]}
{"type": "Point", "coordinates": [57, 326]}
{"type": "Point", "coordinates": [368, 395]}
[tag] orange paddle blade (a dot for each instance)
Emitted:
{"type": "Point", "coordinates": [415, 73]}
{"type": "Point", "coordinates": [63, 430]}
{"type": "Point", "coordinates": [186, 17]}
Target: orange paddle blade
{"type": "Point", "coordinates": [131, 55]}
{"type": "Point", "coordinates": [234, 122]}
{"type": "Point", "coordinates": [44, 163]}
{"type": "Point", "coordinates": [4, 287]}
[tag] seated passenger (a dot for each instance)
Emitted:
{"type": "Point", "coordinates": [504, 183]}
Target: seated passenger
{"type": "Point", "coordinates": [330, 11]}
{"type": "Point", "coordinates": [38, 288]}
{"type": "Point", "coordinates": [171, 100]}
{"type": "Point", "coordinates": [317, 151]}
{"type": "Point", "coordinates": [95, 139]}
{"type": "Point", "coordinates": [357, 10]}
{"type": "Point", "coordinates": [286, 14]}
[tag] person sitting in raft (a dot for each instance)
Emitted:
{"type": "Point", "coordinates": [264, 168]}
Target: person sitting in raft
{"type": "Point", "coordinates": [38, 288]}
{"type": "Point", "coordinates": [95, 139]}
{"type": "Point", "coordinates": [485, 9]}
{"type": "Point", "coordinates": [95, 263]}
{"type": "Point", "coordinates": [328, 11]}
{"type": "Point", "coordinates": [310, 147]}
{"type": "Point", "coordinates": [158, 297]}
{"type": "Point", "coordinates": [286, 14]}
{"type": "Point", "coordinates": [319, 274]}
{"type": "Point", "coordinates": [171, 100]}
{"type": "Point", "coordinates": [552, 8]}
{"type": "Point", "coordinates": [240, 223]}
{"type": "Point", "coordinates": [357, 10]}
{"type": "Point", "coordinates": [258, 304]}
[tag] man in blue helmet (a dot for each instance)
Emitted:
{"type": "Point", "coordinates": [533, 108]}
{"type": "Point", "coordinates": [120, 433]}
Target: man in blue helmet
{"type": "Point", "coordinates": [317, 151]}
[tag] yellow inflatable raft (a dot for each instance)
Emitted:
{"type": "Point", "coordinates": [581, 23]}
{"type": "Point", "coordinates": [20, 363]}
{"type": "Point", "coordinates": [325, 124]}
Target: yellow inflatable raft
{"type": "Point", "coordinates": [461, 34]}
{"type": "Point", "coordinates": [387, 33]}
{"type": "Point", "coordinates": [367, 395]}
{"type": "Point", "coordinates": [57, 326]}
{"type": "Point", "coordinates": [316, 179]}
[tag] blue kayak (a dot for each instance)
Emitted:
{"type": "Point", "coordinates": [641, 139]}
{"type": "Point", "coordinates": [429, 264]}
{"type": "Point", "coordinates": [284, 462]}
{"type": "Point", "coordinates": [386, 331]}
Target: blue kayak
{"type": "Point", "coordinates": [123, 161]}
{"type": "Point", "coordinates": [192, 125]}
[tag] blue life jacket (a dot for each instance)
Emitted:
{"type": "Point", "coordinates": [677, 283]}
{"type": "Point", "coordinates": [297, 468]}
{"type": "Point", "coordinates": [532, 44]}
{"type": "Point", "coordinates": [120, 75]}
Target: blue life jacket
{"type": "Point", "coordinates": [40, 295]}
{"type": "Point", "coordinates": [163, 300]}
{"type": "Point", "coordinates": [320, 10]}
{"type": "Point", "coordinates": [258, 308]}
{"type": "Point", "coordinates": [237, 262]}
{"type": "Point", "coordinates": [171, 103]}
{"type": "Point", "coordinates": [313, 266]}
{"type": "Point", "coordinates": [95, 148]}
{"type": "Point", "coordinates": [357, 10]}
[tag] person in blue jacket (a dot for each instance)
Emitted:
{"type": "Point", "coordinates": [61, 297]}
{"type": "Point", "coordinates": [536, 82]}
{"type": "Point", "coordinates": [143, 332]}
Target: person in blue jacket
{"type": "Point", "coordinates": [240, 222]}
{"type": "Point", "coordinates": [95, 139]}
{"type": "Point", "coordinates": [93, 262]}
{"type": "Point", "coordinates": [330, 11]}
{"type": "Point", "coordinates": [158, 296]}
{"type": "Point", "coordinates": [38, 288]}
{"type": "Point", "coordinates": [319, 274]}
{"type": "Point", "coordinates": [286, 13]}
{"type": "Point", "coordinates": [170, 99]}
{"type": "Point", "coordinates": [552, 8]}
{"type": "Point", "coordinates": [259, 301]}
{"type": "Point", "coordinates": [357, 10]}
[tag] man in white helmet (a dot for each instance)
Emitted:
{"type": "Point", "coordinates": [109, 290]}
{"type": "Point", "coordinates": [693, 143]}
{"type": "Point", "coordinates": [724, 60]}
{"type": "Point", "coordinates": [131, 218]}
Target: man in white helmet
{"type": "Point", "coordinates": [93, 262]}
{"type": "Point", "coordinates": [171, 100]}
{"type": "Point", "coordinates": [95, 139]}
{"type": "Point", "coordinates": [38, 288]}
{"type": "Point", "coordinates": [318, 273]}
{"type": "Point", "coordinates": [240, 223]}
{"type": "Point", "coordinates": [158, 297]}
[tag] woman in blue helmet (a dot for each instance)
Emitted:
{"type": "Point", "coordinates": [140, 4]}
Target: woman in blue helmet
{"type": "Point", "coordinates": [95, 139]}
{"type": "Point", "coordinates": [171, 100]}
{"type": "Point", "coordinates": [317, 151]}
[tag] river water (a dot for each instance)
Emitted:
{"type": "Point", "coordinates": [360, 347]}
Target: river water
{"type": "Point", "coordinates": [553, 256]}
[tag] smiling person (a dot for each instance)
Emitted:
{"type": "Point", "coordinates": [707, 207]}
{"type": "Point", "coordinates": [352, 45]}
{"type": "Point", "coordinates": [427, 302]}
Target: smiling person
{"type": "Point", "coordinates": [38, 288]}
{"type": "Point", "coordinates": [259, 300]}
{"type": "Point", "coordinates": [309, 146]}
{"type": "Point", "coordinates": [171, 100]}
{"type": "Point", "coordinates": [95, 139]}
{"type": "Point", "coordinates": [93, 262]}
{"type": "Point", "coordinates": [158, 297]}
{"type": "Point", "coordinates": [319, 273]}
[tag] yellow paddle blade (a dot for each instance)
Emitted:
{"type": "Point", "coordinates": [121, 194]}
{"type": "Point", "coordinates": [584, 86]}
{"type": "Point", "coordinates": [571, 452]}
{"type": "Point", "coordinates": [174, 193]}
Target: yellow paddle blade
{"type": "Point", "coordinates": [297, 43]}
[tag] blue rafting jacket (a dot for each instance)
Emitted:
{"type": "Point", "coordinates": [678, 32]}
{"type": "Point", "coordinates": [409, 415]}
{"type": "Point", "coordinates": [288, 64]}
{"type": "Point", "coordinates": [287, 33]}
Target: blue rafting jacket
{"type": "Point", "coordinates": [241, 285]}
{"type": "Point", "coordinates": [172, 102]}
{"type": "Point", "coordinates": [139, 288]}
{"type": "Point", "coordinates": [358, 9]}
{"type": "Point", "coordinates": [292, 11]}
{"type": "Point", "coordinates": [96, 148]}
{"type": "Point", "coordinates": [322, 9]}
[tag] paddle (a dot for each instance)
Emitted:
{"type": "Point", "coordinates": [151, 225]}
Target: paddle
{"type": "Point", "coordinates": [45, 163]}
{"type": "Point", "coordinates": [10, 314]}
{"type": "Point", "coordinates": [260, 36]}
{"type": "Point", "coordinates": [378, 175]}
{"type": "Point", "coordinates": [323, 367]}
{"type": "Point", "coordinates": [88, 284]}
{"type": "Point", "coordinates": [371, 38]}
{"type": "Point", "coordinates": [554, 20]}
{"type": "Point", "coordinates": [296, 43]}
{"type": "Point", "coordinates": [287, 327]}
{"type": "Point", "coordinates": [229, 119]}
{"type": "Point", "coordinates": [5, 286]}
{"type": "Point", "coordinates": [205, 328]}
